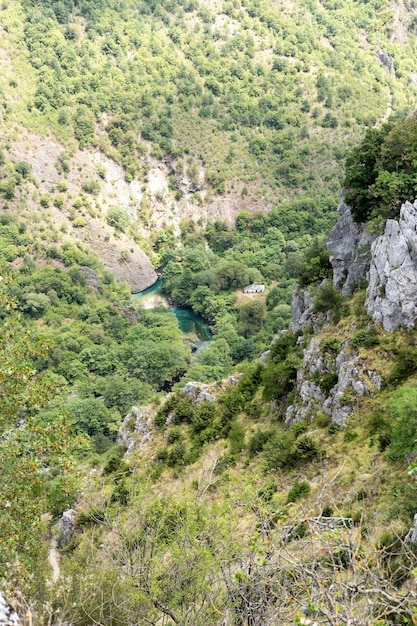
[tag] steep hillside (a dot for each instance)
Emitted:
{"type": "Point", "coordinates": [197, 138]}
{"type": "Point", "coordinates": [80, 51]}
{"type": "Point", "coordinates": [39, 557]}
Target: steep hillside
{"type": "Point", "coordinates": [268, 476]}
{"type": "Point", "coordinates": [254, 101]}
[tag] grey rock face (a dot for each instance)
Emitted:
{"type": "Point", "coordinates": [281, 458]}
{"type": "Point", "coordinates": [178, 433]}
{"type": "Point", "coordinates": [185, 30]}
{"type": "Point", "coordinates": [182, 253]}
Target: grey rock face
{"type": "Point", "coordinates": [352, 379]}
{"type": "Point", "coordinates": [386, 60]}
{"type": "Point", "coordinates": [302, 311]}
{"type": "Point", "coordinates": [391, 297]}
{"type": "Point", "coordinates": [8, 616]}
{"type": "Point", "coordinates": [349, 246]}
{"type": "Point", "coordinates": [411, 536]}
{"type": "Point", "coordinates": [90, 277]}
{"type": "Point", "coordinates": [264, 356]}
{"type": "Point", "coordinates": [198, 393]}
{"type": "Point", "coordinates": [136, 429]}
{"type": "Point", "coordinates": [66, 527]}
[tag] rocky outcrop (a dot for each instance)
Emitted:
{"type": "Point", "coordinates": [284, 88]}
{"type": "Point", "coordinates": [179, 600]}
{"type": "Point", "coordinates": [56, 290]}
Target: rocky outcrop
{"type": "Point", "coordinates": [349, 246]}
{"type": "Point", "coordinates": [198, 393]}
{"type": "Point", "coordinates": [303, 313]}
{"type": "Point", "coordinates": [385, 59]}
{"type": "Point", "coordinates": [66, 528]}
{"type": "Point", "coordinates": [391, 297]}
{"type": "Point", "coordinates": [90, 277]}
{"type": "Point", "coordinates": [129, 263]}
{"type": "Point", "coordinates": [411, 536]}
{"type": "Point", "coordinates": [136, 429]}
{"type": "Point", "coordinates": [330, 382]}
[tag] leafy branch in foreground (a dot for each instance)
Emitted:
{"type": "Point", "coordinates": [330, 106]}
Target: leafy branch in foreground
{"type": "Point", "coordinates": [32, 449]}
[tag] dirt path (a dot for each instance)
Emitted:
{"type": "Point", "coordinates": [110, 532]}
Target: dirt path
{"type": "Point", "coordinates": [54, 558]}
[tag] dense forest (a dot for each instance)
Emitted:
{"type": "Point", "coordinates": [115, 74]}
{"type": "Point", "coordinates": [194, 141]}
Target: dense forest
{"type": "Point", "coordinates": [213, 141]}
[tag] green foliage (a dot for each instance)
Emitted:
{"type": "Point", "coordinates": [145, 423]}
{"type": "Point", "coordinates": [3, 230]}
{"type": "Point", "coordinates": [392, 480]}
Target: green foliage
{"type": "Point", "coordinates": [286, 449]}
{"type": "Point", "coordinates": [30, 448]}
{"type": "Point", "coordinates": [327, 299]}
{"type": "Point", "coordinates": [327, 382]}
{"type": "Point", "coordinates": [117, 218]}
{"type": "Point", "coordinates": [365, 337]}
{"type": "Point", "coordinates": [380, 173]}
{"type": "Point", "coordinates": [405, 364]}
{"type": "Point", "coordinates": [299, 490]}
{"type": "Point", "coordinates": [252, 317]}
{"type": "Point", "coordinates": [92, 187]}
{"type": "Point", "coordinates": [403, 407]}
{"type": "Point", "coordinates": [258, 441]}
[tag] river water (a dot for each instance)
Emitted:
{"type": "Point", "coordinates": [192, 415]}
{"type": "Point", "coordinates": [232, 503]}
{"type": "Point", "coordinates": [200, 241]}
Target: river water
{"type": "Point", "coordinates": [192, 326]}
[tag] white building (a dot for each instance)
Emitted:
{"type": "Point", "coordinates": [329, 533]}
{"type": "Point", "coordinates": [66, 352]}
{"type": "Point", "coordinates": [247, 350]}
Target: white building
{"type": "Point", "coordinates": [254, 288]}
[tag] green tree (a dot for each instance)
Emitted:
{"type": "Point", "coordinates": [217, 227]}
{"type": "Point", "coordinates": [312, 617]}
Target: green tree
{"type": "Point", "coordinates": [252, 316]}
{"type": "Point", "coordinates": [31, 446]}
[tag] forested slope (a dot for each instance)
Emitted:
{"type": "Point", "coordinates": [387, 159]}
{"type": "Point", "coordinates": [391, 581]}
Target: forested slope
{"type": "Point", "coordinates": [206, 138]}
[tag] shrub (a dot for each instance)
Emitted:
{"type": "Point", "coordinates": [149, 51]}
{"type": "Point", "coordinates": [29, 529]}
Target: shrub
{"type": "Point", "coordinates": [327, 511]}
{"type": "Point", "coordinates": [91, 186]}
{"type": "Point", "coordinates": [305, 449]}
{"type": "Point", "coordinates": [79, 222]}
{"type": "Point", "coordinates": [327, 382]}
{"type": "Point", "coordinates": [23, 168]}
{"type": "Point", "coordinates": [266, 492]}
{"type": "Point", "coordinates": [366, 338]}
{"type": "Point", "coordinates": [176, 455]}
{"type": "Point", "coordinates": [117, 218]}
{"type": "Point", "coordinates": [331, 346]}
{"type": "Point", "coordinates": [327, 299]}
{"type": "Point", "coordinates": [322, 420]}
{"type": "Point", "coordinates": [257, 442]}
{"type": "Point", "coordinates": [45, 201]}
{"type": "Point", "coordinates": [405, 365]}
{"type": "Point", "coordinates": [114, 458]}
{"type": "Point", "coordinates": [174, 435]}
{"type": "Point", "coordinates": [403, 407]}
{"type": "Point", "coordinates": [300, 490]}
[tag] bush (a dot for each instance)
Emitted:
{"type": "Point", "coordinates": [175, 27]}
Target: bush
{"type": "Point", "coordinates": [117, 218]}
{"type": "Point", "coordinates": [327, 299]}
{"type": "Point", "coordinates": [174, 435]}
{"type": "Point", "coordinates": [91, 186]}
{"type": "Point", "coordinates": [79, 222]}
{"type": "Point", "coordinates": [327, 382]}
{"type": "Point", "coordinates": [403, 407]}
{"type": "Point", "coordinates": [405, 365]}
{"type": "Point", "coordinates": [266, 492]}
{"type": "Point", "coordinates": [176, 455]}
{"type": "Point", "coordinates": [298, 491]}
{"type": "Point", "coordinates": [257, 442]}
{"type": "Point", "coordinates": [366, 338]}
{"type": "Point", "coordinates": [45, 201]}
{"type": "Point", "coordinates": [305, 449]}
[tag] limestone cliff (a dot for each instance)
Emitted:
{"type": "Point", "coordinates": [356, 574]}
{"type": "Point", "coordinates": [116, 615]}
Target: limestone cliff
{"type": "Point", "coordinates": [349, 247]}
{"type": "Point", "coordinates": [391, 297]}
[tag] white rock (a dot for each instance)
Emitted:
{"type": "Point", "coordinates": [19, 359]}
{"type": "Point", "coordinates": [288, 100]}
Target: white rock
{"type": "Point", "coordinates": [391, 297]}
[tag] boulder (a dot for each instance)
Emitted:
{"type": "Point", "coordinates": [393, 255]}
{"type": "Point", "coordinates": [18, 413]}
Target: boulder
{"type": "Point", "coordinates": [352, 379]}
{"type": "Point", "coordinates": [66, 528]}
{"type": "Point", "coordinates": [90, 277]}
